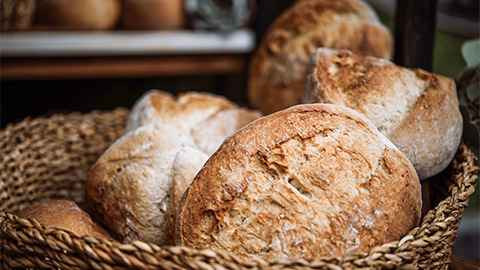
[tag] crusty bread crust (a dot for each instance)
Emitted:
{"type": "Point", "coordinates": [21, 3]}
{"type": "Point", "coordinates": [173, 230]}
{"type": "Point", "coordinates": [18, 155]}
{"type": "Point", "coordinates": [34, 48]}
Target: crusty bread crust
{"type": "Point", "coordinates": [64, 215]}
{"type": "Point", "coordinates": [181, 112]}
{"type": "Point", "coordinates": [307, 181]}
{"type": "Point", "coordinates": [129, 188]}
{"type": "Point", "coordinates": [186, 165]}
{"type": "Point", "coordinates": [205, 119]}
{"type": "Point", "coordinates": [417, 110]}
{"type": "Point", "coordinates": [277, 71]}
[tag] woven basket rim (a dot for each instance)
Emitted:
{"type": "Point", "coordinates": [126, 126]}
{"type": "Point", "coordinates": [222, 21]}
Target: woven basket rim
{"type": "Point", "coordinates": [145, 255]}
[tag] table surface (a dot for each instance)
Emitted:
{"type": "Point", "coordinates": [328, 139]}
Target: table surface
{"type": "Point", "coordinates": [463, 263]}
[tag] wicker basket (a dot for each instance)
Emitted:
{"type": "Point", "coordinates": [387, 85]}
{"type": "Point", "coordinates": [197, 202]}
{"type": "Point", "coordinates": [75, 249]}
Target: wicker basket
{"type": "Point", "coordinates": [49, 158]}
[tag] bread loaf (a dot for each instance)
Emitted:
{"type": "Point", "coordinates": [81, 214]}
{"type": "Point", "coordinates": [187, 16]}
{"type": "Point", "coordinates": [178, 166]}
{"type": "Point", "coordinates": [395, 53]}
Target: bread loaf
{"type": "Point", "coordinates": [418, 111]}
{"type": "Point", "coordinates": [307, 181]}
{"type": "Point", "coordinates": [17, 14]}
{"type": "Point", "coordinates": [79, 14]}
{"type": "Point", "coordinates": [64, 215]}
{"type": "Point", "coordinates": [277, 70]}
{"type": "Point", "coordinates": [205, 119]}
{"type": "Point", "coordinates": [153, 14]}
{"type": "Point", "coordinates": [135, 185]}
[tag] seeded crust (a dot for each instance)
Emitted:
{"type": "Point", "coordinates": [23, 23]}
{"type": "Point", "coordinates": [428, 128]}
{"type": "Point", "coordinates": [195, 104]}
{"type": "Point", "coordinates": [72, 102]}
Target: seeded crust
{"type": "Point", "coordinates": [65, 215]}
{"type": "Point", "coordinates": [204, 119]}
{"type": "Point", "coordinates": [277, 71]}
{"type": "Point", "coordinates": [308, 181]}
{"type": "Point", "coordinates": [134, 187]}
{"type": "Point", "coordinates": [417, 110]}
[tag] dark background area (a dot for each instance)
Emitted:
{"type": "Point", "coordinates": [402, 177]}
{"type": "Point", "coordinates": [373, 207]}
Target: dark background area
{"type": "Point", "coordinates": [20, 99]}
{"type": "Point", "coordinates": [23, 98]}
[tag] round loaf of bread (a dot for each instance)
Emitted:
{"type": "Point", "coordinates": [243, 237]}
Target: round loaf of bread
{"type": "Point", "coordinates": [79, 14]}
{"type": "Point", "coordinates": [277, 70]}
{"type": "Point", "coordinates": [135, 185]}
{"type": "Point", "coordinates": [203, 118]}
{"type": "Point", "coordinates": [307, 181]}
{"type": "Point", "coordinates": [153, 14]}
{"type": "Point", "coordinates": [17, 14]}
{"type": "Point", "coordinates": [64, 215]}
{"type": "Point", "coordinates": [418, 111]}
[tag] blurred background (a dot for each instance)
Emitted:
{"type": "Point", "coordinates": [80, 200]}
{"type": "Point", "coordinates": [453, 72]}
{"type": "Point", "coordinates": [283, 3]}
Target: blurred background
{"type": "Point", "coordinates": [101, 54]}
{"type": "Point", "coordinates": [80, 55]}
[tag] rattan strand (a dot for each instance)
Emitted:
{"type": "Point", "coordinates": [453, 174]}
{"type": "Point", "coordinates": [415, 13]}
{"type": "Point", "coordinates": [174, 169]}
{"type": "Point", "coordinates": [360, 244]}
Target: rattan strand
{"type": "Point", "coordinates": [49, 158]}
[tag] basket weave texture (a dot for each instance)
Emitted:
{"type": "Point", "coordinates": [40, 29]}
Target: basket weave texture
{"type": "Point", "coordinates": [50, 157]}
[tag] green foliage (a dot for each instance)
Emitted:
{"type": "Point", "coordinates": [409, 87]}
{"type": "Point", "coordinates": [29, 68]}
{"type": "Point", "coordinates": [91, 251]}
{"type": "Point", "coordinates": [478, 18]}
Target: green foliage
{"type": "Point", "coordinates": [469, 93]}
{"type": "Point", "coordinates": [468, 89]}
{"type": "Point", "coordinates": [447, 57]}
{"type": "Point", "coordinates": [471, 52]}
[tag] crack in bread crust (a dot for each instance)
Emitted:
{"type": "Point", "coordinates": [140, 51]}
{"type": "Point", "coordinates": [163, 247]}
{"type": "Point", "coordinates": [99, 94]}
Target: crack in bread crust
{"type": "Point", "coordinates": [135, 183]}
{"type": "Point", "coordinates": [397, 100]}
{"type": "Point", "coordinates": [328, 187]}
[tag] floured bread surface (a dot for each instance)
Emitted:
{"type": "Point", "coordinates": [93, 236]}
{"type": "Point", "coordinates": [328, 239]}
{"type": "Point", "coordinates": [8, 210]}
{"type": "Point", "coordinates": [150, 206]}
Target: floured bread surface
{"type": "Point", "coordinates": [203, 118]}
{"type": "Point", "coordinates": [210, 133]}
{"type": "Point", "coordinates": [308, 181]}
{"type": "Point", "coordinates": [277, 71]}
{"type": "Point", "coordinates": [129, 188]}
{"type": "Point", "coordinates": [188, 162]}
{"type": "Point", "coordinates": [418, 111]}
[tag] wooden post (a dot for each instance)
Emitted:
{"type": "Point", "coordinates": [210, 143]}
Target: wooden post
{"type": "Point", "coordinates": [415, 25]}
{"type": "Point", "coordinates": [267, 11]}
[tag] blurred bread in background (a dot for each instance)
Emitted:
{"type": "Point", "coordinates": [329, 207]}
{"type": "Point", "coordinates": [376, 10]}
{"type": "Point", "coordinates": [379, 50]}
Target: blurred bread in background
{"type": "Point", "coordinates": [78, 14]}
{"type": "Point", "coordinates": [153, 14]}
{"type": "Point", "coordinates": [277, 71]}
{"type": "Point", "coordinates": [17, 14]}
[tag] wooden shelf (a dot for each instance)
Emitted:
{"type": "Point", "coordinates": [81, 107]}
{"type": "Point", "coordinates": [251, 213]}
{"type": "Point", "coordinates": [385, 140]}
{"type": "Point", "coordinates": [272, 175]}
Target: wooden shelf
{"type": "Point", "coordinates": [52, 55]}
{"type": "Point", "coordinates": [141, 66]}
{"type": "Point", "coordinates": [457, 263]}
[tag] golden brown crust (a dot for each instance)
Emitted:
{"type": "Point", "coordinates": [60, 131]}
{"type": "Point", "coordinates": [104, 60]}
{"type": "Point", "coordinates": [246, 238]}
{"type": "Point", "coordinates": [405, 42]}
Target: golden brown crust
{"type": "Point", "coordinates": [79, 14]}
{"type": "Point", "coordinates": [277, 70]}
{"type": "Point", "coordinates": [438, 126]}
{"type": "Point", "coordinates": [65, 215]}
{"type": "Point", "coordinates": [308, 181]}
{"type": "Point", "coordinates": [418, 111]}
